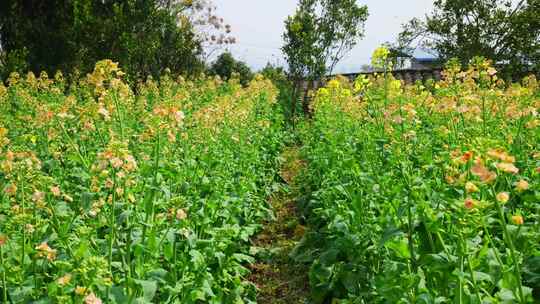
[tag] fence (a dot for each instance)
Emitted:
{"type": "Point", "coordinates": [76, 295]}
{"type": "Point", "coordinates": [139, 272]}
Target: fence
{"type": "Point", "coordinates": [409, 76]}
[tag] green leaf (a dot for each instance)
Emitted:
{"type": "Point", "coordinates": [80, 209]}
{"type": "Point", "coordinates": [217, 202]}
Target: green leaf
{"type": "Point", "coordinates": [149, 289]}
{"type": "Point", "coordinates": [243, 258]}
{"type": "Point", "coordinates": [507, 296]}
{"type": "Point", "coordinates": [197, 259]}
{"type": "Point", "coordinates": [531, 271]}
{"type": "Point", "coordinates": [400, 248]}
{"type": "Point", "coordinates": [118, 294]}
{"type": "Point", "coordinates": [390, 233]}
{"type": "Point", "coordinates": [482, 276]}
{"type": "Point", "coordinates": [86, 200]}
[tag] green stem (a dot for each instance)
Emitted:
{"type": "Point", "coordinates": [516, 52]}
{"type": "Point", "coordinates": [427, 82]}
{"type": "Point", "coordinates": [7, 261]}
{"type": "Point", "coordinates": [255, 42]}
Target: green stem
{"type": "Point", "coordinates": [484, 115]}
{"type": "Point", "coordinates": [100, 136]}
{"type": "Point", "coordinates": [149, 212]}
{"type": "Point", "coordinates": [443, 244]}
{"type": "Point", "coordinates": [410, 236]}
{"type": "Point", "coordinates": [112, 220]}
{"type": "Point", "coordinates": [4, 285]}
{"type": "Point", "coordinates": [118, 115]}
{"type": "Point", "coordinates": [471, 272]}
{"type": "Point", "coordinates": [518, 135]}
{"type": "Point", "coordinates": [174, 258]}
{"type": "Point", "coordinates": [490, 241]}
{"type": "Point", "coordinates": [461, 280]}
{"type": "Point", "coordinates": [410, 221]}
{"type": "Point", "coordinates": [128, 255]}
{"type": "Point", "coordinates": [74, 146]}
{"type": "Point", "coordinates": [517, 272]}
{"type": "Point", "coordinates": [23, 253]}
{"type": "Point", "coordinates": [385, 85]}
{"type": "Point", "coordinates": [402, 124]}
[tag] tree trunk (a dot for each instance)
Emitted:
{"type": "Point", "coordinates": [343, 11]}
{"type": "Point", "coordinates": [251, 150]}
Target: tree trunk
{"type": "Point", "coordinates": [294, 98]}
{"type": "Point", "coordinates": [306, 99]}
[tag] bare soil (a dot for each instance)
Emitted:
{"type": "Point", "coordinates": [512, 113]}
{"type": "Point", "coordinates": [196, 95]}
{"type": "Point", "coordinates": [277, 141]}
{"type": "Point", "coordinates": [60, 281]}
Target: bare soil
{"type": "Point", "coordinates": [278, 277]}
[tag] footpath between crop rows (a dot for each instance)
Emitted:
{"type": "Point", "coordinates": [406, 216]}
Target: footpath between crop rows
{"type": "Point", "coordinates": [278, 277]}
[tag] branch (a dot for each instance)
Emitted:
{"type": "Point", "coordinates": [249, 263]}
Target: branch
{"type": "Point", "coordinates": [337, 58]}
{"type": "Point", "coordinates": [508, 31]}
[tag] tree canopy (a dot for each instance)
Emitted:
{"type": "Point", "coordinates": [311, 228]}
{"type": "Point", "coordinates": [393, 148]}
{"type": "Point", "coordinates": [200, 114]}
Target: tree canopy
{"type": "Point", "coordinates": [145, 37]}
{"type": "Point", "coordinates": [318, 35]}
{"type": "Point", "coordinates": [508, 32]}
{"type": "Point", "coordinates": [226, 66]}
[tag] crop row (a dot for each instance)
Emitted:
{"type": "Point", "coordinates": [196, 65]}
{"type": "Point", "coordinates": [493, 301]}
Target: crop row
{"type": "Point", "coordinates": [116, 195]}
{"type": "Point", "coordinates": [425, 193]}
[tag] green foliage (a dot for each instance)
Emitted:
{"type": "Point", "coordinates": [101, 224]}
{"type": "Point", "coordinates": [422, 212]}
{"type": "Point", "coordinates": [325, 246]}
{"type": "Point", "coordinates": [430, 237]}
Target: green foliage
{"type": "Point", "coordinates": [226, 67]}
{"type": "Point", "coordinates": [507, 32]}
{"type": "Point", "coordinates": [14, 61]}
{"type": "Point", "coordinates": [147, 197]}
{"type": "Point", "coordinates": [300, 42]}
{"type": "Point", "coordinates": [317, 37]}
{"type": "Point", "coordinates": [278, 76]}
{"type": "Point", "coordinates": [320, 33]}
{"type": "Point", "coordinates": [144, 36]}
{"type": "Point", "coordinates": [420, 194]}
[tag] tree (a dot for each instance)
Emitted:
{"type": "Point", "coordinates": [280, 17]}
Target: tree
{"type": "Point", "coordinates": [226, 66]}
{"type": "Point", "coordinates": [145, 37]}
{"type": "Point", "coordinates": [211, 29]}
{"type": "Point", "coordinates": [508, 32]}
{"type": "Point", "coordinates": [317, 37]}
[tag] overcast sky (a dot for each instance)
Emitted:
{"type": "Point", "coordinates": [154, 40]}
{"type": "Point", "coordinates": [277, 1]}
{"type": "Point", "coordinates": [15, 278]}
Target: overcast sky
{"type": "Point", "coordinates": [258, 26]}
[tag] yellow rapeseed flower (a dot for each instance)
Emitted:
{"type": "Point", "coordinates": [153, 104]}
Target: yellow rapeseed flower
{"type": "Point", "coordinates": [92, 299]}
{"type": "Point", "coordinates": [503, 197]}
{"type": "Point", "coordinates": [483, 173]}
{"type": "Point", "coordinates": [79, 290]}
{"type": "Point", "coordinates": [507, 167]}
{"type": "Point", "coordinates": [470, 203]}
{"type": "Point", "coordinates": [379, 59]}
{"type": "Point", "coordinates": [64, 280]}
{"type": "Point", "coordinates": [3, 240]}
{"type": "Point", "coordinates": [470, 187]}
{"type": "Point", "coordinates": [517, 220]}
{"type": "Point", "coordinates": [522, 185]}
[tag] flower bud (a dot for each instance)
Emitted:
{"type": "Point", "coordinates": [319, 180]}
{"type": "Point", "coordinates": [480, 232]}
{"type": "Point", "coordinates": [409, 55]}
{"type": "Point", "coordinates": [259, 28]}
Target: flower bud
{"type": "Point", "coordinates": [517, 220]}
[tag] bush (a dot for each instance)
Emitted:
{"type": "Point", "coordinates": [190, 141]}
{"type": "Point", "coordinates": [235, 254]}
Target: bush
{"type": "Point", "coordinates": [227, 67]}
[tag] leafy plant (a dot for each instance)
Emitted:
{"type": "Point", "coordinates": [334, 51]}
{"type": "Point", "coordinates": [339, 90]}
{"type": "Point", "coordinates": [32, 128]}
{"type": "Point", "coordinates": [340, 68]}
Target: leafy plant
{"type": "Point", "coordinates": [417, 195]}
{"type": "Point", "coordinates": [115, 197]}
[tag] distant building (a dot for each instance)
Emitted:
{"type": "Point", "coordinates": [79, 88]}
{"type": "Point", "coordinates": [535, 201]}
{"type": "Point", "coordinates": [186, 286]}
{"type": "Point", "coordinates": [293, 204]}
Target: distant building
{"type": "Point", "coordinates": [417, 66]}
{"type": "Point", "coordinates": [416, 61]}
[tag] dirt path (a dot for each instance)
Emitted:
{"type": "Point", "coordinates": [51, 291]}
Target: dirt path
{"type": "Point", "coordinates": [279, 279]}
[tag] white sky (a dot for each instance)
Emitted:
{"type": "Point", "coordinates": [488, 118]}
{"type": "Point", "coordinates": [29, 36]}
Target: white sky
{"type": "Point", "coordinates": [258, 26]}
